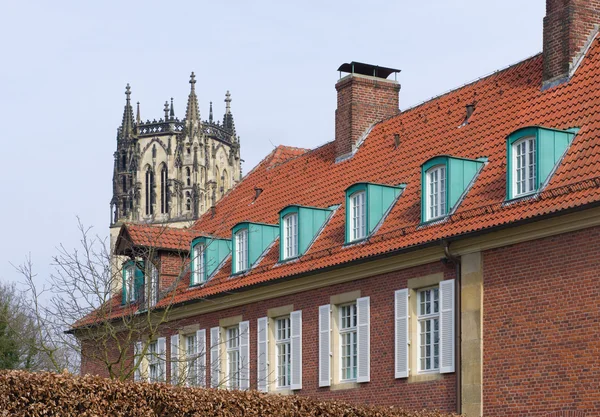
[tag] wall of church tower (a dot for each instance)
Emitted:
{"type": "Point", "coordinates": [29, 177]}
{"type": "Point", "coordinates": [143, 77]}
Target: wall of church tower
{"type": "Point", "coordinates": [171, 171]}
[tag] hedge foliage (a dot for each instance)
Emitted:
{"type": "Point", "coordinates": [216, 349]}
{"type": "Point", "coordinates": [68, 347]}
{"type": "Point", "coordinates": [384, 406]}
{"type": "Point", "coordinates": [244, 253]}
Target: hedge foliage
{"type": "Point", "coordinates": [48, 394]}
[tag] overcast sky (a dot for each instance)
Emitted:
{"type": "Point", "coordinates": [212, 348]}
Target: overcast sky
{"type": "Point", "coordinates": [65, 65]}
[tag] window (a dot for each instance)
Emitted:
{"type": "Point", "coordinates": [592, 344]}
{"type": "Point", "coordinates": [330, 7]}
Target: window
{"type": "Point", "coordinates": [153, 362]}
{"type": "Point", "coordinates": [233, 357]}
{"type": "Point", "coordinates": [436, 192]}
{"type": "Point", "coordinates": [348, 339]}
{"type": "Point", "coordinates": [198, 264]}
{"type": "Point", "coordinates": [290, 235]}
{"type": "Point", "coordinates": [164, 178]}
{"type": "Point", "coordinates": [359, 216]}
{"type": "Point", "coordinates": [188, 201]}
{"type": "Point", "coordinates": [191, 349]}
{"type": "Point", "coordinates": [149, 192]}
{"type": "Point", "coordinates": [241, 250]}
{"type": "Point", "coordinates": [428, 316]}
{"type": "Point", "coordinates": [188, 176]}
{"type": "Point", "coordinates": [283, 351]}
{"type": "Point", "coordinates": [152, 284]}
{"type": "Point", "coordinates": [524, 166]}
{"type": "Point", "coordinates": [129, 288]}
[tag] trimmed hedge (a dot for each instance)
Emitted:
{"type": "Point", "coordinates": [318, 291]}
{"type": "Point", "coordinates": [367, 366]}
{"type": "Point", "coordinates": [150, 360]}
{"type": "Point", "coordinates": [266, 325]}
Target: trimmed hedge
{"type": "Point", "coordinates": [48, 394]}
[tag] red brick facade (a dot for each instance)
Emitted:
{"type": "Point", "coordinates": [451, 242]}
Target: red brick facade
{"type": "Point", "coordinates": [542, 326]}
{"type": "Point", "coordinates": [567, 27]}
{"type": "Point", "coordinates": [362, 101]}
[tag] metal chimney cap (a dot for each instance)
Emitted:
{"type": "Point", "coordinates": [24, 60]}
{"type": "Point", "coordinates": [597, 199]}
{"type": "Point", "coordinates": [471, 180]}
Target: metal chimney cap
{"type": "Point", "coordinates": [367, 69]}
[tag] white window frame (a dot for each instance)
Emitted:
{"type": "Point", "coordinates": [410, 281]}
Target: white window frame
{"type": "Point", "coordinates": [198, 259]}
{"type": "Point", "coordinates": [290, 236]}
{"type": "Point", "coordinates": [348, 331]}
{"type": "Point", "coordinates": [283, 355]}
{"type": "Point", "coordinates": [241, 250]}
{"type": "Point", "coordinates": [526, 185]}
{"type": "Point", "coordinates": [358, 215]}
{"type": "Point", "coordinates": [431, 318]}
{"type": "Point", "coordinates": [232, 355]}
{"type": "Point", "coordinates": [152, 284]}
{"type": "Point", "coordinates": [153, 362]}
{"type": "Point", "coordinates": [191, 359]}
{"type": "Point", "coordinates": [435, 190]}
{"type": "Point", "coordinates": [131, 290]}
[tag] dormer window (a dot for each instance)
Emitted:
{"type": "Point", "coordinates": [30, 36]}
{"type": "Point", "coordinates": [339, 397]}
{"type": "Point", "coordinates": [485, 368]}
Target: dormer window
{"type": "Point", "coordinates": [133, 282]}
{"type": "Point", "coordinates": [524, 166]}
{"type": "Point", "coordinates": [533, 154]}
{"type": "Point", "coordinates": [358, 228]}
{"type": "Point", "coordinates": [299, 226]}
{"type": "Point", "coordinates": [367, 205]}
{"type": "Point", "coordinates": [207, 255]}
{"type": "Point", "coordinates": [198, 275]}
{"type": "Point", "coordinates": [241, 250]}
{"type": "Point", "coordinates": [250, 243]}
{"type": "Point", "coordinates": [445, 180]}
{"type": "Point", "coordinates": [290, 236]}
{"type": "Point", "coordinates": [436, 192]}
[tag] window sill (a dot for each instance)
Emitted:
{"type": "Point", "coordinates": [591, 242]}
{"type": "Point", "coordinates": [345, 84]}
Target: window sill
{"type": "Point", "coordinates": [424, 377]}
{"type": "Point", "coordinates": [283, 391]}
{"type": "Point", "coordinates": [341, 386]}
{"type": "Point", "coordinates": [433, 222]}
{"type": "Point", "coordinates": [356, 242]}
{"type": "Point", "coordinates": [522, 197]}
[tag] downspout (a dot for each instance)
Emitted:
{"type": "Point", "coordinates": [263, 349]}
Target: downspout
{"type": "Point", "coordinates": [457, 320]}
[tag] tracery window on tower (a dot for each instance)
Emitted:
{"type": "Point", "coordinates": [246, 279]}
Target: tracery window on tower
{"type": "Point", "coordinates": [201, 202]}
{"type": "Point", "coordinates": [188, 176]}
{"type": "Point", "coordinates": [164, 177]}
{"type": "Point", "coordinates": [188, 201]}
{"type": "Point", "coordinates": [225, 181]}
{"type": "Point", "coordinates": [124, 161]}
{"type": "Point", "coordinates": [124, 183]}
{"type": "Point", "coordinates": [149, 192]}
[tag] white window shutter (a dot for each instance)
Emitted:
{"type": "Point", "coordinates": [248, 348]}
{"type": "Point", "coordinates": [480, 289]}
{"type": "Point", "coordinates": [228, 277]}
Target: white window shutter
{"type": "Point", "coordinates": [401, 333]}
{"type": "Point", "coordinates": [162, 358]}
{"type": "Point", "coordinates": [201, 361]}
{"type": "Point", "coordinates": [215, 356]}
{"type": "Point", "coordinates": [296, 350]}
{"type": "Point", "coordinates": [262, 354]}
{"type": "Point", "coordinates": [137, 350]}
{"type": "Point", "coordinates": [363, 336]}
{"type": "Point", "coordinates": [174, 363]}
{"type": "Point", "coordinates": [245, 355]}
{"type": "Point", "coordinates": [447, 326]}
{"type": "Point", "coordinates": [325, 345]}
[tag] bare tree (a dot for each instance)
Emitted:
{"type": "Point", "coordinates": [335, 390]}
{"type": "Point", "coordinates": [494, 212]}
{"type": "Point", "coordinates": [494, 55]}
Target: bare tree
{"type": "Point", "coordinates": [83, 313]}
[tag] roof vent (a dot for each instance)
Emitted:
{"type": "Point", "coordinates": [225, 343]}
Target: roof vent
{"type": "Point", "coordinates": [258, 192]}
{"type": "Point", "coordinates": [470, 111]}
{"type": "Point", "coordinates": [396, 139]}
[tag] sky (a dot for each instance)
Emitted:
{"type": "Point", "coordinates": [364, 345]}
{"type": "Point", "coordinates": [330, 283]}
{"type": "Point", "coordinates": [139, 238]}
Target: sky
{"type": "Point", "coordinates": [65, 65]}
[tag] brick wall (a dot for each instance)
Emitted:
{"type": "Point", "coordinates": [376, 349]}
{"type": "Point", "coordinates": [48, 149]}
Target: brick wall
{"type": "Point", "coordinates": [383, 389]}
{"type": "Point", "coordinates": [362, 101]}
{"type": "Point", "coordinates": [567, 26]}
{"type": "Point", "coordinates": [542, 326]}
{"type": "Point", "coordinates": [172, 267]}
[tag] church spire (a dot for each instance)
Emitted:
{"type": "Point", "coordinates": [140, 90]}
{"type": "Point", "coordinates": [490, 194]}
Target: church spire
{"type": "Point", "coordinates": [191, 112]}
{"type": "Point", "coordinates": [228, 117]}
{"type": "Point", "coordinates": [210, 114]}
{"type": "Point", "coordinates": [138, 118]}
{"type": "Point", "coordinates": [172, 112]}
{"type": "Point", "coordinates": [127, 124]}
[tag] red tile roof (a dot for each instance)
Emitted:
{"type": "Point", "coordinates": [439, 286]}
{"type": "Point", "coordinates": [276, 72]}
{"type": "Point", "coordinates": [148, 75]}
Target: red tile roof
{"type": "Point", "coordinates": [162, 237]}
{"type": "Point", "coordinates": [505, 101]}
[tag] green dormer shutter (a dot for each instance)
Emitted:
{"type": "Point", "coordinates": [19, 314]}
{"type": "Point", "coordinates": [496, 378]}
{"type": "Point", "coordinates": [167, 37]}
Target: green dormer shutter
{"type": "Point", "coordinates": [310, 223]}
{"type": "Point", "coordinates": [460, 173]}
{"type": "Point", "coordinates": [379, 201]}
{"type": "Point", "coordinates": [260, 237]}
{"type": "Point", "coordinates": [550, 146]}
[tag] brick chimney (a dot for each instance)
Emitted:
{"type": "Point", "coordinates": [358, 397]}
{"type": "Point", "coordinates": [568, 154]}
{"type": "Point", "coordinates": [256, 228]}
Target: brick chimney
{"type": "Point", "coordinates": [365, 96]}
{"type": "Point", "coordinates": [568, 29]}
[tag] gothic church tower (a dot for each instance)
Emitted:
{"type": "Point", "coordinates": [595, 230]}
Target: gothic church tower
{"type": "Point", "coordinates": [171, 171]}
